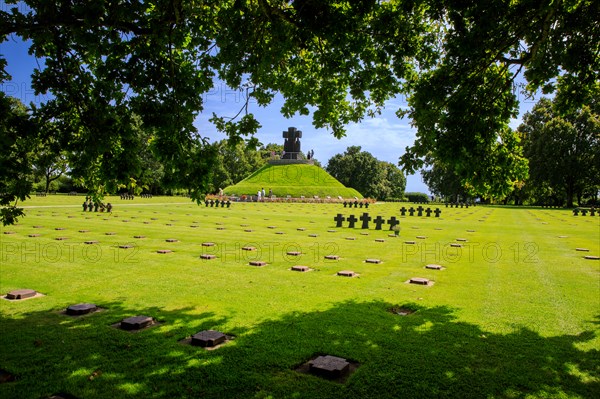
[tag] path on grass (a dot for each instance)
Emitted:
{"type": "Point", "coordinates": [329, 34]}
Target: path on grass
{"type": "Point", "coordinates": [79, 206]}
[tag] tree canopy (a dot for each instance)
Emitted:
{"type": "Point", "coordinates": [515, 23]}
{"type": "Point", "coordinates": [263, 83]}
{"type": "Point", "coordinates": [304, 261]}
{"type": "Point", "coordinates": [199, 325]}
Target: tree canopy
{"type": "Point", "coordinates": [455, 61]}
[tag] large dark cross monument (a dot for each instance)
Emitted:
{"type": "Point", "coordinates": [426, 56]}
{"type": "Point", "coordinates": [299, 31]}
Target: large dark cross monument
{"type": "Point", "coordinates": [291, 146]}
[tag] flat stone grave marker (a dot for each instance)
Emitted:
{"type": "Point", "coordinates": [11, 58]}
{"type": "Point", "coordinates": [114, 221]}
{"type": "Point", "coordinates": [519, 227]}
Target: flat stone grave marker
{"type": "Point", "coordinates": [208, 339]}
{"type": "Point", "coordinates": [81, 309]}
{"type": "Point", "coordinates": [434, 267]}
{"type": "Point", "coordinates": [194, 226]}
{"type": "Point", "coordinates": [248, 248]}
{"type": "Point", "coordinates": [164, 251]}
{"type": "Point", "coordinates": [421, 237]}
{"type": "Point", "coordinates": [248, 230]}
{"type": "Point", "coordinates": [110, 233]}
{"type": "Point", "coordinates": [563, 236]}
{"type": "Point", "coordinates": [301, 229]}
{"type": "Point", "coordinates": [347, 273]}
{"type": "Point", "coordinates": [244, 225]}
{"type": "Point", "coordinates": [59, 228]}
{"type": "Point", "coordinates": [5, 376]}
{"type": "Point", "coordinates": [410, 242]}
{"type": "Point", "coordinates": [299, 268]}
{"type": "Point", "coordinates": [257, 263]}
{"type": "Point", "coordinates": [271, 227]}
{"type": "Point", "coordinates": [9, 232]}
{"type": "Point", "coordinates": [168, 224]}
{"type": "Point", "coordinates": [401, 310]}
{"type": "Point", "coordinates": [373, 260]}
{"type": "Point", "coordinates": [125, 246]}
{"type": "Point", "coordinates": [153, 218]}
{"type": "Point", "coordinates": [461, 239]}
{"type": "Point", "coordinates": [34, 235]}
{"type": "Point", "coordinates": [331, 231]}
{"type": "Point", "coordinates": [330, 367]}
{"type": "Point", "coordinates": [84, 231]}
{"type": "Point", "coordinates": [172, 240]}
{"type": "Point", "coordinates": [592, 257]}
{"type": "Point", "coordinates": [582, 249]}
{"type": "Point", "coordinates": [379, 240]}
{"type": "Point", "coordinates": [136, 323]}
{"type": "Point", "coordinates": [470, 231]}
{"type": "Point", "coordinates": [351, 238]}
{"type": "Point", "coordinates": [220, 228]}
{"type": "Point", "coordinates": [208, 256]}
{"type": "Point", "coordinates": [21, 294]}
{"type": "Point", "coordinates": [313, 235]}
{"type": "Point", "coordinates": [419, 281]}
{"type": "Point", "coordinates": [91, 242]}
{"type": "Point", "coordinates": [332, 257]}
{"type": "Point", "coordinates": [456, 245]}
{"type": "Point", "coordinates": [146, 222]}
{"type": "Point", "coordinates": [364, 233]}
{"type": "Point", "coordinates": [279, 232]}
{"type": "Point", "coordinates": [61, 238]}
{"type": "Point", "coordinates": [38, 227]}
{"type": "Point", "coordinates": [294, 253]}
{"type": "Point", "coordinates": [139, 236]}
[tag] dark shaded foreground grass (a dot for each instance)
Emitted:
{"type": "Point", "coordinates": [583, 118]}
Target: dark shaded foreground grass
{"type": "Point", "coordinates": [427, 354]}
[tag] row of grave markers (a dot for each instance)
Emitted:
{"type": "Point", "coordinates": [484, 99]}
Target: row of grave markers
{"type": "Point", "coordinates": [584, 212]}
{"type": "Point", "coordinates": [411, 211]}
{"type": "Point", "coordinates": [216, 203]}
{"type": "Point", "coordinates": [365, 219]}
{"type": "Point", "coordinates": [356, 204]}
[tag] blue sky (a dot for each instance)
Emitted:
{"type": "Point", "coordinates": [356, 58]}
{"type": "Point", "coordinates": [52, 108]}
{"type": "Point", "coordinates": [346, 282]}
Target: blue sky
{"type": "Point", "coordinates": [385, 136]}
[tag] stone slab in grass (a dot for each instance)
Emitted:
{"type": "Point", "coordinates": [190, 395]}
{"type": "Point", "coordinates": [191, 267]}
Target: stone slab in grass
{"type": "Point", "coordinates": [293, 253]}
{"type": "Point", "coordinates": [461, 239]}
{"type": "Point", "coordinates": [59, 228]}
{"type": "Point", "coordinates": [220, 228]}
{"type": "Point", "coordinates": [280, 232]}
{"type": "Point", "coordinates": [332, 231]}
{"type": "Point", "coordinates": [20, 294]}
{"type": "Point", "coordinates": [332, 257]}
{"type": "Point", "coordinates": [379, 240]}
{"type": "Point", "coordinates": [110, 233]}
{"type": "Point", "coordinates": [351, 238]}
{"type": "Point", "coordinates": [392, 235]}
{"type": "Point", "coordinates": [563, 236]}
{"type": "Point", "coordinates": [313, 235]}
{"type": "Point", "coordinates": [208, 338]}
{"type": "Point", "coordinates": [38, 227]}
{"type": "Point", "coordinates": [91, 242]}
{"type": "Point", "coordinates": [248, 230]}
{"type": "Point", "coordinates": [420, 281]}
{"type": "Point", "coordinates": [84, 231]}
{"type": "Point", "coordinates": [301, 229]}
{"type": "Point", "coordinates": [372, 260]}
{"type": "Point", "coordinates": [9, 232]}
{"type": "Point", "coordinates": [591, 257]}
{"type": "Point", "coordinates": [136, 323]}
{"type": "Point", "coordinates": [300, 268]}
{"type": "Point", "coordinates": [402, 310]}
{"type": "Point", "coordinates": [410, 242]}
{"type": "Point", "coordinates": [62, 395]}
{"type": "Point", "coordinates": [61, 238]}
{"type": "Point", "coordinates": [208, 256]}
{"type": "Point", "coordinates": [434, 267]}
{"type": "Point", "coordinates": [347, 273]}
{"type": "Point", "coordinates": [271, 227]}
{"type": "Point", "coordinates": [164, 251]}
{"type": "Point", "coordinates": [6, 376]}
{"type": "Point", "coordinates": [208, 244]}
{"type": "Point", "coordinates": [582, 249]}
{"type": "Point", "coordinates": [248, 248]}
{"type": "Point", "coordinates": [139, 237]}
{"type": "Point", "coordinates": [454, 245]}
{"type": "Point", "coordinates": [81, 309]}
{"type": "Point", "coordinates": [421, 237]}
{"type": "Point", "coordinates": [126, 246]}
{"type": "Point", "coordinates": [258, 263]}
{"type": "Point", "coordinates": [34, 235]}
{"type": "Point", "coordinates": [172, 240]}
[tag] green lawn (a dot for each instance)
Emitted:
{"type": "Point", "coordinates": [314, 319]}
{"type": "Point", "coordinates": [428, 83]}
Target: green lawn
{"type": "Point", "coordinates": [514, 314]}
{"type": "Point", "coordinates": [295, 180]}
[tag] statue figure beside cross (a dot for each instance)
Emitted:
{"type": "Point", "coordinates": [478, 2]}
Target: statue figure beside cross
{"type": "Point", "coordinates": [291, 146]}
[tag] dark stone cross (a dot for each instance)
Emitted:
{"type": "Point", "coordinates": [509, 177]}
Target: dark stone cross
{"type": "Point", "coordinates": [217, 203]}
{"type": "Point", "coordinates": [360, 204]}
{"type": "Point", "coordinates": [393, 221]}
{"type": "Point", "coordinates": [420, 211]}
{"type": "Point", "coordinates": [378, 222]}
{"type": "Point", "coordinates": [211, 203]}
{"type": "Point", "coordinates": [575, 212]}
{"type": "Point", "coordinates": [356, 204]}
{"type": "Point", "coordinates": [592, 212]}
{"type": "Point", "coordinates": [365, 220]}
{"type": "Point", "coordinates": [584, 212]}
{"type": "Point", "coordinates": [366, 204]}
{"type": "Point", "coordinates": [206, 203]}
{"type": "Point", "coordinates": [411, 211]}
{"type": "Point", "coordinates": [437, 212]}
{"type": "Point", "coordinates": [338, 220]}
{"type": "Point", "coordinates": [428, 212]}
{"type": "Point", "coordinates": [403, 211]}
{"type": "Point", "coordinates": [291, 145]}
{"type": "Point", "coordinates": [446, 205]}
{"type": "Point", "coordinates": [345, 204]}
{"type": "Point", "coordinates": [351, 220]}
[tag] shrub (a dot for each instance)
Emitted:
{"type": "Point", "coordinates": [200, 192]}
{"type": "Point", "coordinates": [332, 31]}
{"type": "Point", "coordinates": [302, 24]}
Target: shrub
{"type": "Point", "coordinates": [417, 197]}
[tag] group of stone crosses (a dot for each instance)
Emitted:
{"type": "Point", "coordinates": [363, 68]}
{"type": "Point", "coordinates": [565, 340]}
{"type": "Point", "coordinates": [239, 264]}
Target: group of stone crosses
{"type": "Point", "coordinates": [216, 203]}
{"type": "Point", "coordinates": [411, 211]}
{"type": "Point", "coordinates": [458, 204]}
{"type": "Point", "coordinates": [356, 204]}
{"type": "Point", "coordinates": [584, 212]}
{"type": "Point", "coordinates": [365, 219]}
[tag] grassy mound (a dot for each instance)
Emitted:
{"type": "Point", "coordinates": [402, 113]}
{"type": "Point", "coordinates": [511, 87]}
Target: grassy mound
{"type": "Point", "coordinates": [295, 180]}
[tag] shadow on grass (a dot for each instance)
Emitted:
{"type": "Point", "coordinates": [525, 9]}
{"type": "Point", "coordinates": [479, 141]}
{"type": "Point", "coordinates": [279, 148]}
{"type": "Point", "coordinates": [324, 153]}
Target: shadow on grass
{"type": "Point", "coordinates": [427, 354]}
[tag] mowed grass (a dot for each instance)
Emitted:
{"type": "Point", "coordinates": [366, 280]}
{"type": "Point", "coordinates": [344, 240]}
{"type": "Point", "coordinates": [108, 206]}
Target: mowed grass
{"type": "Point", "coordinates": [295, 180]}
{"type": "Point", "coordinates": [514, 314]}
